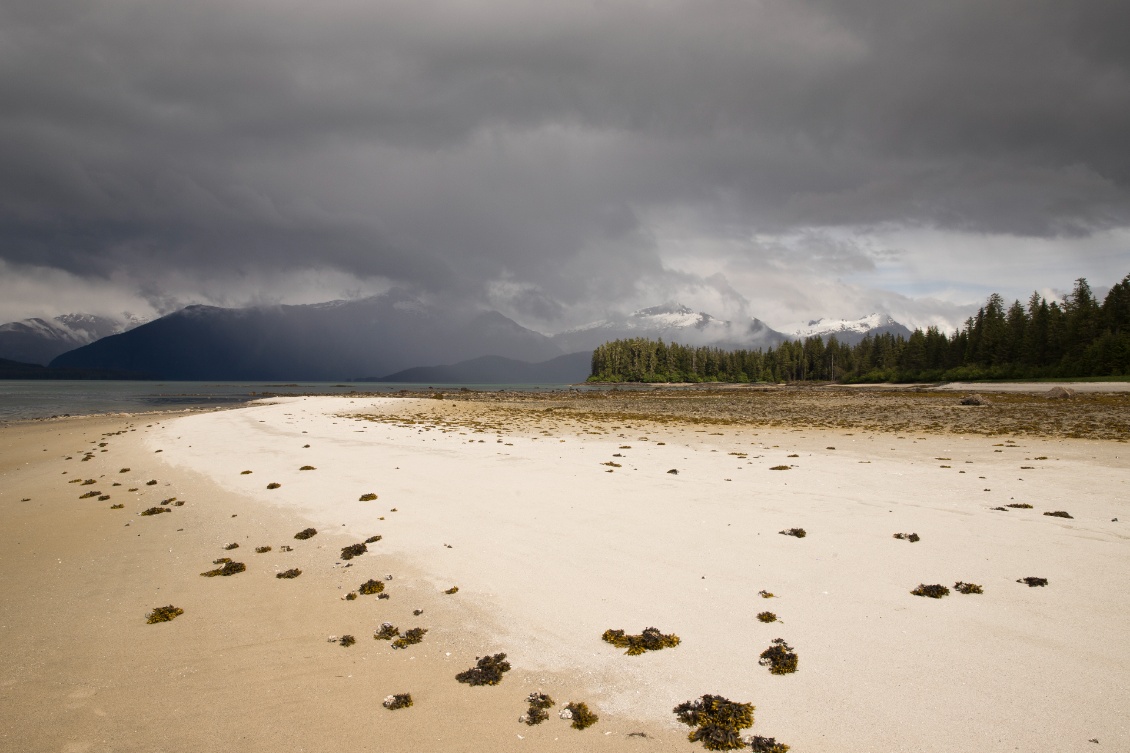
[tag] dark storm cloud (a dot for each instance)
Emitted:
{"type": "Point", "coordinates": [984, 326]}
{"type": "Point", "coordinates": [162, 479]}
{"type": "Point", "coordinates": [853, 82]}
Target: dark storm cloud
{"type": "Point", "coordinates": [450, 146]}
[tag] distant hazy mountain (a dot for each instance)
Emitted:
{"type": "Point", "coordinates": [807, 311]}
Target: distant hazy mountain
{"type": "Point", "coordinates": [673, 323]}
{"type": "Point", "coordinates": [40, 340]}
{"type": "Point", "coordinates": [338, 340]}
{"type": "Point", "coordinates": [851, 331]}
{"type": "Point", "coordinates": [566, 369]}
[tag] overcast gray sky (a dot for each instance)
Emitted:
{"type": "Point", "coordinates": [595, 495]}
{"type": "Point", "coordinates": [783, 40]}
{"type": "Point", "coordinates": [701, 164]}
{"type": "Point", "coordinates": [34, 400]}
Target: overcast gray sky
{"type": "Point", "coordinates": [559, 160]}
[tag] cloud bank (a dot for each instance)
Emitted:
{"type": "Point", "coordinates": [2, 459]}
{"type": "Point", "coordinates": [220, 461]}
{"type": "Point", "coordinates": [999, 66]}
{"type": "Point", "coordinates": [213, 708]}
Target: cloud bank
{"type": "Point", "coordinates": [558, 160]}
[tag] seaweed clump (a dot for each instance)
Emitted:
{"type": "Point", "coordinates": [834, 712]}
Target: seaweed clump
{"type": "Point", "coordinates": [911, 537]}
{"type": "Point", "coordinates": [766, 617]}
{"type": "Point", "coordinates": [228, 568]}
{"type": "Point", "coordinates": [1058, 514]}
{"type": "Point", "coordinates": [649, 640]}
{"type": "Point", "coordinates": [293, 572]}
{"type": "Point", "coordinates": [367, 497]}
{"type": "Point", "coordinates": [800, 533]}
{"type": "Point", "coordinates": [229, 547]}
{"type": "Point", "coordinates": [761, 744]}
{"type": "Point", "coordinates": [452, 590]}
{"type": "Point", "coordinates": [398, 701]}
{"type": "Point", "coordinates": [935, 591]}
{"type": "Point", "coordinates": [273, 485]}
{"type": "Point", "coordinates": [717, 721]}
{"type": "Point", "coordinates": [305, 533]}
{"type": "Point", "coordinates": [487, 671]}
{"type": "Point", "coordinates": [262, 549]}
{"type": "Point", "coordinates": [117, 507]}
{"type": "Point", "coordinates": [1033, 582]}
{"type": "Point", "coordinates": [779, 657]}
{"type": "Point", "coordinates": [163, 614]}
{"type": "Point", "coordinates": [968, 588]}
{"type": "Point", "coordinates": [536, 713]}
{"type": "Point", "coordinates": [154, 511]}
{"type": "Point", "coordinates": [387, 632]}
{"type": "Point", "coordinates": [370, 587]}
{"type": "Point", "coordinates": [373, 539]}
{"type": "Point", "coordinates": [410, 638]}
{"type": "Point", "coordinates": [307, 468]}
{"type": "Point", "coordinates": [88, 495]}
{"type": "Point", "coordinates": [780, 468]}
{"type": "Point", "coordinates": [353, 550]}
{"type": "Point", "coordinates": [347, 640]}
{"type": "Point", "coordinates": [1020, 505]}
{"type": "Point", "coordinates": [766, 594]}
{"type": "Point", "coordinates": [580, 714]}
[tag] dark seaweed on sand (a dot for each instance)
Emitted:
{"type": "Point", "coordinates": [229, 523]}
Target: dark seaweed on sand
{"type": "Point", "coordinates": [649, 640]}
{"type": "Point", "coordinates": [717, 721]}
{"type": "Point", "coordinates": [487, 671]}
{"type": "Point", "coordinates": [935, 591]}
{"type": "Point", "coordinates": [1058, 514]}
{"type": "Point", "coordinates": [347, 640]}
{"type": "Point", "coordinates": [371, 587]}
{"type": "Point", "coordinates": [398, 701]}
{"type": "Point", "coordinates": [766, 617]}
{"type": "Point", "coordinates": [581, 716]}
{"type": "Point", "coordinates": [373, 539]}
{"type": "Point", "coordinates": [387, 632]}
{"type": "Point", "coordinates": [536, 713]}
{"type": "Point", "coordinates": [760, 744]}
{"type": "Point", "coordinates": [1032, 582]}
{"type": "Point", "coordinates": [155, 511]}
{"type": "Point", "coordinates": [353, 550]}
{"type": "Point", "coordinates": [968, 588]}
{"type": "Point", "coordinates": [163, 614]}
{"type": "Point", "coordinates": [779, 657]}
{"type": "Point", "coordinates": [228, 568]}
{"type": "Point", "coordinates": [800, 533]}
{"type": "Point", "coordinates": [911, 537]}
{"type": "Point", "coordinates": [305, 533]}
{"type": "Point", "coordinates": [293, 572]}
{"type": "Point", "coordinates": [410, 638]}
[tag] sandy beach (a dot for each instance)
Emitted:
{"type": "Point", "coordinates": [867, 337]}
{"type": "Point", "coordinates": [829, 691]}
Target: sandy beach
{"type": "Point", "coordinates": [558, 521]}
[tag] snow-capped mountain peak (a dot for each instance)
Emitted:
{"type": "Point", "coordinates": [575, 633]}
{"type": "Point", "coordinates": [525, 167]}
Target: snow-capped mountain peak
{"type": "Point", "coordinates": [851, 331]}
{"type": "Point", "coordinates": [831, 326]}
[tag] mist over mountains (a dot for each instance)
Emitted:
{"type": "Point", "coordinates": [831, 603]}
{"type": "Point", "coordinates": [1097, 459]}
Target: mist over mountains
{"type": "Point", "coordinates": [394, 336]}
{"type": "Point", "coordinates": [37, 341]}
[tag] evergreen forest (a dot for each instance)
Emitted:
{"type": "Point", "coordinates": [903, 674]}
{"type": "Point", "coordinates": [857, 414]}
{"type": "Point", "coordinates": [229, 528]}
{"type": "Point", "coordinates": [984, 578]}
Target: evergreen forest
{"type": "Point", "coordinates": [1071, 338]}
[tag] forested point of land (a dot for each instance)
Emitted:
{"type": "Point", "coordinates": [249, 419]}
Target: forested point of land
{"type": "Point", "coordinates": [1070, 338]}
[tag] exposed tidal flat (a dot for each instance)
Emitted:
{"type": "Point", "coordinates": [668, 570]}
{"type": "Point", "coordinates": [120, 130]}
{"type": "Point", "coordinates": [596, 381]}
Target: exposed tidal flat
{"type": "Point", "coordinates": [556, 518]}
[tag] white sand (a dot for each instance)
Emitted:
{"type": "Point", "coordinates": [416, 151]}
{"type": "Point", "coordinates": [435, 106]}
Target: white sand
{"type": "Point", "coordinates": [549, 550]}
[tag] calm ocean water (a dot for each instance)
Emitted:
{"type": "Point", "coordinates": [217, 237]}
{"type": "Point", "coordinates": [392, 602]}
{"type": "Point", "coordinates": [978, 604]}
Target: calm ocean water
{"type": "Point", "coordinates": [20, 399]}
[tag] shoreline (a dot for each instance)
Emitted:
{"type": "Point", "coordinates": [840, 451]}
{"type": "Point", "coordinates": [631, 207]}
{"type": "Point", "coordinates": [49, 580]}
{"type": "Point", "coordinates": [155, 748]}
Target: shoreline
{"type": "Point", "coordinates": [549, 549]}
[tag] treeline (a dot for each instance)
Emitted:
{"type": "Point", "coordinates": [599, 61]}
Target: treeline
{"type": "Point", "coordinates": [1075, 337]}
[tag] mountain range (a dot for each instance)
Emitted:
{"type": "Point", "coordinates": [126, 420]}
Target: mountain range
{"type": "Point", "coordinates": [394, 336]}
{"type": "Point", "coordinates": [37, 341]}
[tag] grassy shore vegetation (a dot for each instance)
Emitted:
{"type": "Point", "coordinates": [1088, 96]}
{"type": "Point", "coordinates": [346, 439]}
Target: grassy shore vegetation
{"type": "Point", "coordinates": [1075, 337]}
